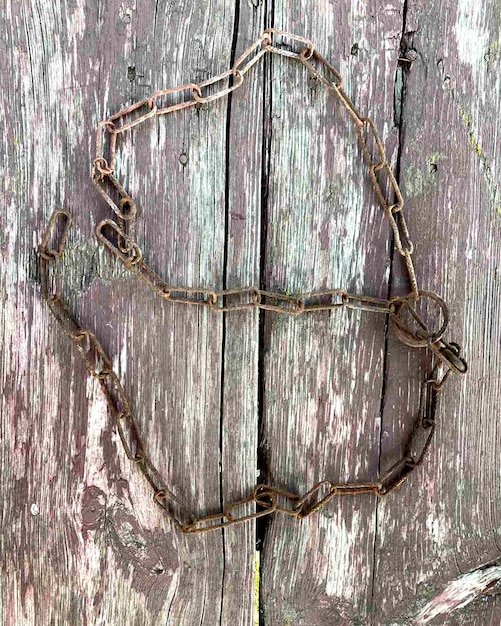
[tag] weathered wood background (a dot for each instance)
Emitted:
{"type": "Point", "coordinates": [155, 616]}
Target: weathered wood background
{"type": "Point", "coordinates": [268, 188]}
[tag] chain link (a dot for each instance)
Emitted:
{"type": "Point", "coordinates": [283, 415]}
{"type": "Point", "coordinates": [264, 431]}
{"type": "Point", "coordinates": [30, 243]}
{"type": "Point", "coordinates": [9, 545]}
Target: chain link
{"type": "Point", "coordinates": [119, 239]}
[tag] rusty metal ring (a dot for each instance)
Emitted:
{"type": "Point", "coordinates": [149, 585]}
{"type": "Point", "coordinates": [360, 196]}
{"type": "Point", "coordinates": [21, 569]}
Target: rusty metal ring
{"type": "Point", "coordinates": [406, 334]}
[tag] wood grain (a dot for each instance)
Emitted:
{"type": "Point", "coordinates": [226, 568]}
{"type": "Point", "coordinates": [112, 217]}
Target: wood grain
{"type": "Point", "coordinates": [448, 147]}
{"type": "Point", "coordinates": [266, 187]}
{"type": "Point", "coordinates": [324, 374]}
{"type": "Point", "coordinates": [110, 557]}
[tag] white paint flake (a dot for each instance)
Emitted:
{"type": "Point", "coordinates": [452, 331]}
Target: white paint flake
{"type": "Point", "coordinates": [458, 594]}
{"type": "Point", "coordinates": [472, 36]}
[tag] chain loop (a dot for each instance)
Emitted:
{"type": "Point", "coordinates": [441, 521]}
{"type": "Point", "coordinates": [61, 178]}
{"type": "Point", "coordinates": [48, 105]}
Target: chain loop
{"type": "Point", "coordinates": [63, 316]}
{"type": "Point", "coordinates": [222, 300]}
{"type": "Point", "coordinates": [366, 303]}
{"type": "Point", "coordinates": [265, 498]}
{"type": "Point", "coordinates": [395, 476]}
{"type": "Point", "coordinates": [100, 163]}
{"type": "Point", "coordinates": [133, 254]}
{"type": "Point", "coordinates": [124, 113]}
{"type": "Point", "coordinates": [449, 354]}
{"type": "Point", "coordinates": [119, 239]}
{"type": "Point", "coordinates": [227, 517]}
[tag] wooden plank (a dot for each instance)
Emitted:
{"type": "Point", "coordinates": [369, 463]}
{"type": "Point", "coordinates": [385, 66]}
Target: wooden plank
{"type": "Point", "coordinates": [241, 328]}
{"type": "Point", "coordinates": [449, 180]}
{"type": "Point", "coordinates": [94, 548]}
{"type": "Point", "coordinates": [324, 373]}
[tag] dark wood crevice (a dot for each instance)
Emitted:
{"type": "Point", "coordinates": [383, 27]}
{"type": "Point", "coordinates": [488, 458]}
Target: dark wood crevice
{"type": "Point", "coordinates": [225, 273]}
{"type": "Point", "coordinates": [262, 457]}
{"type": "Point", "coordinates": [399, 92]}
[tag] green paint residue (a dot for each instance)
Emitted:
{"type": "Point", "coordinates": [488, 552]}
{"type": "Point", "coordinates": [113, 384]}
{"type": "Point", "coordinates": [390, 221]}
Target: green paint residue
{"type": "Point", "coordinates": [427, 591]}
{"type": "Point", "coordinates": [465, 116]}
{"type": "Point", "coordinates": [290, 616]}
{"type": "Point", "coordinates": [435, 157]}
{"type": "Point", "coordinates": [417, 180]}
{"type": "Point", "coordinates": [475, 144]}
{"type": "Point", "coordinates": [492, 55]}
{"type": "Point", "coordinates": [257, 564]}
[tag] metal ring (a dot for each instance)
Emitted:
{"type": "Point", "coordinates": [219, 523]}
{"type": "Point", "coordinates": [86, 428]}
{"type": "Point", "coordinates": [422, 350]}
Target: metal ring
{"type": "Point", "coordinates": [404, 332]}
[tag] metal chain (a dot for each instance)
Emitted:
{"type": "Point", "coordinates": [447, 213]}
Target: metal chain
{"type": "Point", "coordinates": [119, 237]}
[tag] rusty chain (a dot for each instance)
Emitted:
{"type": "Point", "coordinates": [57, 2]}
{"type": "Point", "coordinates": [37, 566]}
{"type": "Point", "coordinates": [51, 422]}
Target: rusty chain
{"type": "Point", "coordinates": [119, 237]}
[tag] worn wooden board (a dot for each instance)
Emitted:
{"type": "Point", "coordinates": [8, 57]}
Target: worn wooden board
{"type": "Point", "coordinates": [104, 552]}
{"type": "Point", "coordinates": [449, 152]}
{"type": "Point", "coordinates": [323, 374]}
{"type": "Point", "coordinates": [268, 188]}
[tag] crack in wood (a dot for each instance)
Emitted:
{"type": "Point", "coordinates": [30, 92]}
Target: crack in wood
{"type": "Point", "coordinates": [401, 70]}
{"type": "Point", "coordinates": [224, 279]}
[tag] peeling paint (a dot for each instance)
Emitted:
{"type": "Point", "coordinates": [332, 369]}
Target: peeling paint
{"type": "Point", "coordinates": [472, 32]}
{"type": "Point", "coordinates": [458, 594]}
{"type": "Point", "coordinates": [114, 560]}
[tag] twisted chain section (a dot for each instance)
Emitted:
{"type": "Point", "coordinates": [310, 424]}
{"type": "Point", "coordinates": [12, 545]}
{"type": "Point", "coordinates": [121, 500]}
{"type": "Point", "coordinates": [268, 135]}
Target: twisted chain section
{"type": "Point", "coordinates": [119, 237]}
